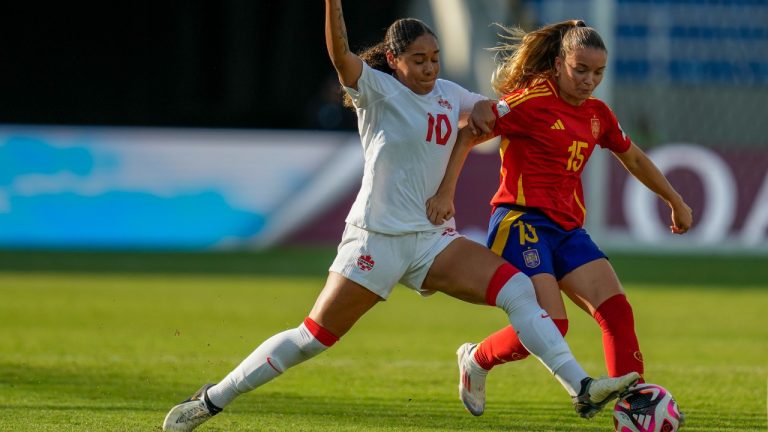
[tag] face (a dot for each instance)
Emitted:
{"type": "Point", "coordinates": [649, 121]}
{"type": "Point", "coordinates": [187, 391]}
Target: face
{"type": "Point", "coordinates": [579, 73]}
{"type": "Point", "coordinates": [418, 67]}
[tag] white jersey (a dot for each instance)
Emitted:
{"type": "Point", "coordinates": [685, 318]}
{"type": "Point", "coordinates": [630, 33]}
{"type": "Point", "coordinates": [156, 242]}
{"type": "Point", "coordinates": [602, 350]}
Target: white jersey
{"type": "Point", "coordinates": [407, 140]}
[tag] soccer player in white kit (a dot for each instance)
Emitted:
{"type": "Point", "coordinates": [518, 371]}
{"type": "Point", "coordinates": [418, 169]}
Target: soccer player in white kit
{"type": "Point", "coordinates": [408, 121]}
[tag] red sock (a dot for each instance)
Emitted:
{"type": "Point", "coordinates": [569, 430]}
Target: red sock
{"type": "Point", "coordinates": [504, 346]}
{"type": "Point", "coordinates": [622, 351]}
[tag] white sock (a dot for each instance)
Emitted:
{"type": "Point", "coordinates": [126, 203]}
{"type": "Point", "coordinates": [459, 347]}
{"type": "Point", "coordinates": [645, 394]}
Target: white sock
{"type": "Point", "coordinates": [273, 357]}
{"type": "Point", "coordinates": [570, 374]}
{"type": "Point", "coordinates": [538, 333]}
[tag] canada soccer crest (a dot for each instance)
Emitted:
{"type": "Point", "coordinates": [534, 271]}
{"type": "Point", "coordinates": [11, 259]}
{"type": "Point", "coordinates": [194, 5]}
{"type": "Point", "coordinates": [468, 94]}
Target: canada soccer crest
{"type": "Point", "coordinates": [531, 258]}
{"type": "Point", "coordinates": [450, 232]}
{"type": "Point", "coordinates": [595, 127]}
{"type": "Point", "coordinates": [365, 262]}
{"type": "Point", "coordinates": [445, 104]}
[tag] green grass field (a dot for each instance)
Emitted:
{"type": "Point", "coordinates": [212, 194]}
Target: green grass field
{"type": "Point", "coordinates": [109, 342]}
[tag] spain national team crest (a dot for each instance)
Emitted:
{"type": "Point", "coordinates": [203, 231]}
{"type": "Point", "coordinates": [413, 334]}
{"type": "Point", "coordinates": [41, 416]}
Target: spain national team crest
{"type": "Point", "coordinates": [531, 258]}
{"type": "Point", "coordinates": [502, 108]}
{"type": "Point", "coordinates": [595, 127]}
{"type": "Point", "coordinates": [365, 262]}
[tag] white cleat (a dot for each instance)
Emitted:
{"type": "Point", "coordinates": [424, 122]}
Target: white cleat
{"type": "Point", "coordinates": [191, 413]}
{"type": "Point", "coordinates": [471, 380]}
{"type": "Point", "coordinates": [596, 393]}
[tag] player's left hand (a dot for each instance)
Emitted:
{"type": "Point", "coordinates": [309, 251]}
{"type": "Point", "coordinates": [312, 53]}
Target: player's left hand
{"type": "Point", "coordinates": [440, 209]}
{"type": "Point", "coordinates": [682, 218]}
{"type": "Point", "coordinates": [482, 119]}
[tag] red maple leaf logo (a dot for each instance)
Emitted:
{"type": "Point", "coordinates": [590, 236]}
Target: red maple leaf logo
{"type": "Point", "coordinates": [444, 103]}
{"type": "Point", "coordinates": [365, 262]}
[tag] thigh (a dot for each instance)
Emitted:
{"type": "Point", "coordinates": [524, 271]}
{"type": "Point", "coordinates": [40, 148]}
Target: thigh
{"type": "Point", "coordinates": [574, 249]}
{"type": "Point", "coordinates": [589, 285]}
{"type": "Point", "coordinates": [341, 303]}
{"type": "Point", "coordinates": [463, 270]}
{"type": "Point", "coordinates": [428, 246]}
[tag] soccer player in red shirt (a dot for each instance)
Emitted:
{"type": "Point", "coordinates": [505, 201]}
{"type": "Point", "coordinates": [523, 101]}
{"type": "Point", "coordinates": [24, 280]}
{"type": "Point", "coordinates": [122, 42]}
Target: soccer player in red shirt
{"type": "Point", "coordinates": [550, 124]}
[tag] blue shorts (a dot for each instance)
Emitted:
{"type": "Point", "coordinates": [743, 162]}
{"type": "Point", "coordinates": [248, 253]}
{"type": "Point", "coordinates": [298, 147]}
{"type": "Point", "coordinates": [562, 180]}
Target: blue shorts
{"type": "Point", "coordinates": [535, 244]}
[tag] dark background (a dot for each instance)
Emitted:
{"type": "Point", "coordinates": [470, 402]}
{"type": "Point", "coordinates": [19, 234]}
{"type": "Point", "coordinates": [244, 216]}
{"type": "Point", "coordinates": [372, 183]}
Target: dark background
{"type": "Point", "coordinates": [228, 63]}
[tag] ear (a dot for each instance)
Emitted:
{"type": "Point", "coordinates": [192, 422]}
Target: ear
{"type": "Point", "coordinates": [558, 65]}
{"type": "Point", "coordinates": [391, 61]}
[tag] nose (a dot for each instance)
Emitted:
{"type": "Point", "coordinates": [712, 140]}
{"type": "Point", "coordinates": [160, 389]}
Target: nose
{"type": "Point", "coordinates": [429, 68]}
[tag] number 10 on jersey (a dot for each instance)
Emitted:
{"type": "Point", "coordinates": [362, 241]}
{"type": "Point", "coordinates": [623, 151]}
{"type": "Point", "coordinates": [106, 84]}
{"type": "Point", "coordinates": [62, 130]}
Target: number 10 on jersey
{"type": "Point", "coordinates": [438, 128]}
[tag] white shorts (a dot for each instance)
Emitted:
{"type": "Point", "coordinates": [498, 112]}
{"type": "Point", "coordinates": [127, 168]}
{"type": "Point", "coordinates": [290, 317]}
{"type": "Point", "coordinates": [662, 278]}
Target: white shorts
{"type": "Point", "coordinates": [379, 261]}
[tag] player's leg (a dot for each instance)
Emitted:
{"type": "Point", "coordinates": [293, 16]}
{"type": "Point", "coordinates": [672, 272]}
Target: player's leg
{"type": "Point", "coordinates": [469, 271]}
{"type": "Point", "coordinates": [341, 303]}
{"type": "Point", "coordinates": [504, 346]}
{"type": "Point", "coordinates": [352, 288]}
{"type": "Point", "coordinates": [524, 239]}
{"type": "Point", "coordinates": [596, 288]}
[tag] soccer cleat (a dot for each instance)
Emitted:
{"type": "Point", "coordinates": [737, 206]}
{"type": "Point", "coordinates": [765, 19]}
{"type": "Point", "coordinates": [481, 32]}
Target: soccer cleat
{"type": "Point", "coordinates": [191, 413]}
{"type": "Point", "coordinates": [471, 380]}
{"type": "Point", "coordinates": [596, 393]}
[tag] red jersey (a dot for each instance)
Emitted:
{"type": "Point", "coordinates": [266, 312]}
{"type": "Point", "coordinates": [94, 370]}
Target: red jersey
{"type": "Point", "coordinates": [545, 145]}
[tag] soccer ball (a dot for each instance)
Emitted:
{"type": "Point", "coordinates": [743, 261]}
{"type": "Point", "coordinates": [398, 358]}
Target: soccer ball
{"type": "Point", "coordinates": [647, 408]}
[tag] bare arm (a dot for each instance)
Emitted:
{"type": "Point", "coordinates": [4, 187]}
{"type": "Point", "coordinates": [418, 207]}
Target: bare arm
{"type": "Point", "coordinates": [348, 65]}
{"type": "Point", "coordinates": [440, 207]}
{"type": "Point", "coordinates": [643, 169]}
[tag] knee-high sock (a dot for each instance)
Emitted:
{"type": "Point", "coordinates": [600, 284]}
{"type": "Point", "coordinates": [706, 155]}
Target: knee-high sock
{"type": "Point", "coordinates": [504, 346]}
{"type": "Point", "coordinates": [513, 292]}
{"type": "Point", "coordinates": [273, 357]}
{"type": "Point", "coordinates": [620, 345]}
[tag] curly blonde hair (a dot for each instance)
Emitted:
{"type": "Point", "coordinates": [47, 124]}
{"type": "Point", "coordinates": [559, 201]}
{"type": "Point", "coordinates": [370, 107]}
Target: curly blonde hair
{"type": "Point", "coordinates": [525, 59]}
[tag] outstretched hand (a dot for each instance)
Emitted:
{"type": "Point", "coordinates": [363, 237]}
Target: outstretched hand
{"type": "Point", "coordinates": [682, 218]}
{"type": "Point", "coordinates": [440, 209]}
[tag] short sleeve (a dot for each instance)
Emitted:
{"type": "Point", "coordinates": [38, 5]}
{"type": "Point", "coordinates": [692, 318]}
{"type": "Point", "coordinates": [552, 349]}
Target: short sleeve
{"type": "Point", "coordinates": [371, 86]}
{"type": "Point", "coordinates": [505, 124]}
{"type": "Point", "coordinates": [468, 101]}
{"type": "Point", "coordinates": [614, 138]}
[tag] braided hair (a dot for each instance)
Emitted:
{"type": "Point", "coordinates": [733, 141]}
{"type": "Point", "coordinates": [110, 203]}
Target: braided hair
{"type": "Point", "coordinates": [399, 36]}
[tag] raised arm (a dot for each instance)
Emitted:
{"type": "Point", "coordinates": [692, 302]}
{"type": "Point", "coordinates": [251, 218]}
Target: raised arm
{"type": "Point", "coordinates": [440, 207]}
{"type": "Point", "coordinates": [348, 65]}
{"type": "Point", "coordinates": [643, 169]}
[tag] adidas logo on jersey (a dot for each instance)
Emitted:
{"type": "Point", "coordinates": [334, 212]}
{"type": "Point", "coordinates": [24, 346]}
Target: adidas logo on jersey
{"type": "Point", "coordinates": [558, 125]}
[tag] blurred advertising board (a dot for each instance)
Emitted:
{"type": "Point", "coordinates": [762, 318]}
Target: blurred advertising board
{"type": "Point", "coordinates": [208, 189]}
